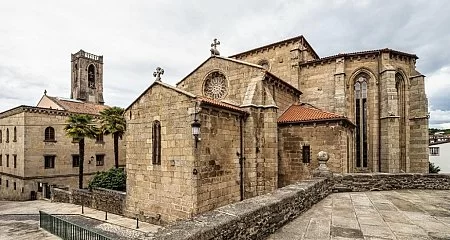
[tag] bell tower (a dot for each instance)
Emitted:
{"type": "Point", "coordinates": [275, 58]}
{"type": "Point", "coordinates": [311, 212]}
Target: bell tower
{"type": "Point", "coordinates": [87, 77]}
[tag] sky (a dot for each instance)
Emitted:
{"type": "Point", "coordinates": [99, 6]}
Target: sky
{"type": "Point", "coordinates": [135, 37]}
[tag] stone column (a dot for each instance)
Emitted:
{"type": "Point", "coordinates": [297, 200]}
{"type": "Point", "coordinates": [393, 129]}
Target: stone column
{"type": "Point", "coordinates": [389, 121]}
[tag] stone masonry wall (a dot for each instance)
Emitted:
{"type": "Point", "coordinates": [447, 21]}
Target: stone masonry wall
{"type": "Point", "coordinates": [166, 191]}
{"type": "Point", "coordinates": [330, 137]}
{"type": "Point", "coordinates": [101, 199]}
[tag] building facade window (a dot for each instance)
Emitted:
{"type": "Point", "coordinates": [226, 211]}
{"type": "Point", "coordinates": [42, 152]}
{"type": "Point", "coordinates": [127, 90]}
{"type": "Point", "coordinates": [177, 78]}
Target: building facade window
{"type": "Point", "coordinates": [0, 181]}
{"type": "Point", "coordinates": [15, 135]}
{"type": "Point", "coordinates": [15, 161]}
{"type": "Point", "coordinates": [1, 136]}
{"type": "Point", "coordinates": [75, 160]}
{"type": "Point", "coordinates": [306, 154]}
{"type": "Point", "coordinates": [360, 93]}
{"type": "Point", "coordinates": [7, 135]}
{"type": "Point", "coordinates": [7, 160]}
{"type": "Point", "coordinates": [400, 86]}
{"type": "Point", "coordinates": [91, 76]}
{"type": "Point", "coordinates": [15, 185]}
{"type": "Point", "coordinates": [434, 151]}
{"type": "Point", "coordinates": [7, 183]}
{"type": "Point", "coordinates": [99, 138]}
{"type": "Point", "coordinates": [1, 160]}
{"type": "Point", "coordinates": [100, 159]}
{"type": "Point", "coordinates": [156, 143]}
{"type": "Point", "coordinates": [49, 134]}
{"type": "Point", "coordinates": [49, 161]}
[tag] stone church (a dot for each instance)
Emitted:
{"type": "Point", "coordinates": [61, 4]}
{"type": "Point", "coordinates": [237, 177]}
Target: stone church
{"type": "Point", "coordinates": [241, 126]}
{"type": "Point", "coordinates": [35, 152]}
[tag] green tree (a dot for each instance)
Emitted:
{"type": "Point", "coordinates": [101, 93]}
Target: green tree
{"type": "Point", "coordinates": [113, 122]}
{"type": "Point", "coordinates": [79, 127]}
{"type": "Point", "coordinates": [114, 179]}
{"type": "Point", "coordinates": [433, 168]}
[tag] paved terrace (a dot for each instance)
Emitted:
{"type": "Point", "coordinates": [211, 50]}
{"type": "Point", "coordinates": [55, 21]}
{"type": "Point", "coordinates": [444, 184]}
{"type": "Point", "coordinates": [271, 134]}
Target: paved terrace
{"type": "Point", "coordinates": [401, 214]}
{"type": "Point", "coordinates": [20, 220]}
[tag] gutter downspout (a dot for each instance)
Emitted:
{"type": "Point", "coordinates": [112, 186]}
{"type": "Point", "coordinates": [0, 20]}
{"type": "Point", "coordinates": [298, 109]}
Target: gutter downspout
{"type": "Point", "coordinates": [379, 111]}
{"type": "Point", "coordinates": [241, 157]}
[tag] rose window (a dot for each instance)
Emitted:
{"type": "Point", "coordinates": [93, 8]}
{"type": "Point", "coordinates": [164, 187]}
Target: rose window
{"type": "Point", "coordinates": [215, 85]}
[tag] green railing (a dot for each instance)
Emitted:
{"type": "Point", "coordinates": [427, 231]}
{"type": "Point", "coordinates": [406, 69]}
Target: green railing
{"type": "Point", "coordinates": [67, 230]}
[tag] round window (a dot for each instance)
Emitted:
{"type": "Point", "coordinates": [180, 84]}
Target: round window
{"type": "Point", "coordinates": [215, 85]}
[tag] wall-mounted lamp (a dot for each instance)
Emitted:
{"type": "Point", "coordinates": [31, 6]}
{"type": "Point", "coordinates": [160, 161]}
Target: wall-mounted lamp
{"type": "Point", "coordinates": [91, 160]}
{"type": "Point", "coordinates": [196, 130]}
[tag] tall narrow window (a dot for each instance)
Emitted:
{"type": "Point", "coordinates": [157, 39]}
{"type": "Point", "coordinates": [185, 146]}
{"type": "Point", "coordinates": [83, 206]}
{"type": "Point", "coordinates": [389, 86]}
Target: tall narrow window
{"type": "Point", "coordinates": [156, 143]}
{"type": "Point", "coordinates": [15, 161]}
{"type": "Point", "coordinates": [49, 161]}
{"type": "Point", "coordinates": [15, 135]}
{"type": "Point", "coordinates": [75, 160]}
{"type": "Point", "coordinates": [306, 154]}
{"type": "Point", "coordinates": [49, 134]}
{"type": "Point", "coordinates": [7, 135]}
{"type": "Point", "coordinates": [400, 86]}
{"type": "Point", "coordinates": [91, 76]}
{"type": "Point", "coordinates": [7, 160]}
{"type": "Point", "coordinates": [360, 90]}
{"type": "Point", "coordinates": [1, 136]}
{"type": "Point", "coordinates": [1, 160]}
{"type": "Point", "coordinates": [99, 138]}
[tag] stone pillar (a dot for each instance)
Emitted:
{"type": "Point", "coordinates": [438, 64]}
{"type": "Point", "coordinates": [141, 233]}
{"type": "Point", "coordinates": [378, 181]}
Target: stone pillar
{"type": "Point", "coordinates": [389, 121]}
{"type": "Point", "coordinates": [418, 122]}
{"type": "Point", "coordinates": [339, 88]}
{"type": "Point", "coordinates": [322, 170]}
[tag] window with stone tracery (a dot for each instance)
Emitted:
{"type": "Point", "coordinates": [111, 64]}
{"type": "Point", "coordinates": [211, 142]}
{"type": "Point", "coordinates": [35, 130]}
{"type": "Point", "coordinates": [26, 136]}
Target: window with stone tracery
{"type": "Point", "coordinates": [400, 86]}
{"type": "Point", "coordinates": [360, 91]}
{"type": "Point", "coordinates": [215, 85]}
{"type": "Point", "coordinates": [91, 76]}
{"type": "Point", "coordinates": [156, 143]}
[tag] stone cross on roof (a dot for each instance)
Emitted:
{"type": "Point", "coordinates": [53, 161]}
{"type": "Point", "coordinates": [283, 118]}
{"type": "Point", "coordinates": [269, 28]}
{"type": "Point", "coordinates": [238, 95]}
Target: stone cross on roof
{"type": "Point", "coordinates": [159, 71]}
{"type": "Point", "coordinates": [214, 51]}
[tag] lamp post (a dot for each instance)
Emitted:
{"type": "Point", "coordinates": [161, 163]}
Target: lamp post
{"type": "Point", "coordinates": [196, 130]}
{"type": "Point", "coordinates": [91, 160]}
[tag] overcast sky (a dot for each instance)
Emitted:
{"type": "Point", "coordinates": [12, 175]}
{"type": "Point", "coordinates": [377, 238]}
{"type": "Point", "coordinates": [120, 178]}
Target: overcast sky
{"type": "Point", "coordinates": [37, 38]}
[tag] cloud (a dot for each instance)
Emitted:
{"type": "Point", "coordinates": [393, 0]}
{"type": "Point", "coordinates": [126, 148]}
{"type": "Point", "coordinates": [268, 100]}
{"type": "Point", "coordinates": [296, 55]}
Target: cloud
{"type": "Point", "coordinates": [136, 37]}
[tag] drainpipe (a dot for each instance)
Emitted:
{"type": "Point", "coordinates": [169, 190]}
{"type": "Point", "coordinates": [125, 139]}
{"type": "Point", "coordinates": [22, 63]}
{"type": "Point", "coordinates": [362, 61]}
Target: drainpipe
{"type": "Point", "coordinates": [379, 112]}
{"type": "Point", "coordinates": [241, 157]}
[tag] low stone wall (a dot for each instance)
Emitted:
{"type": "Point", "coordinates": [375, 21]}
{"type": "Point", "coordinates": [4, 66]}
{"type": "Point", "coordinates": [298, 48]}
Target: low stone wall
{"type": "Point", "coordinates": [101, 199]}
{"type": "Point", "coordinates": [253, 218]}
{"type": "Point", "coordinates": [360, 182]}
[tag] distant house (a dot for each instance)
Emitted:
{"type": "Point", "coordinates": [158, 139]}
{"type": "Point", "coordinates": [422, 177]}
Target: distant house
{"type": "Point", "coordinates": [440, 155]}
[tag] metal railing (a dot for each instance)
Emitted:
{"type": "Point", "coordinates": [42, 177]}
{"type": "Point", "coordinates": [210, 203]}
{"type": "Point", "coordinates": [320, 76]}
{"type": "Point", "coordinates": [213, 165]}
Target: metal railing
{"type": "Point", "coordinates": [67, 230]}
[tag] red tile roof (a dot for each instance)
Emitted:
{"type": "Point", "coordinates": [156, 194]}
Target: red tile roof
{"type": "Point", "coordinates": [76, 106]}
{"type": "Point", "coordinates": [298, 113]}
{"type": "Point", "coordinates": [217, 103]}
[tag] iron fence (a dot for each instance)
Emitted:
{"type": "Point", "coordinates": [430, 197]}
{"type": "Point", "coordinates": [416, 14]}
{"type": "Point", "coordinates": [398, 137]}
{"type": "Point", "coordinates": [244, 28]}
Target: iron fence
{"type": "Point", "coordinates": [67, 230]}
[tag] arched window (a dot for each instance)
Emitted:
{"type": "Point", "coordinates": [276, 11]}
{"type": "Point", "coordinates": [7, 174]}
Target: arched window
{"type": "Point", "coordinates": [15, 135]}
{"type": "Point", "coordinates": [156, 143]}
{"type": "Point", "coordinates": [7, 135]}
{"type": "Point", "coordinates": [91, 76]}
{"type": "Point", "coordinates": [400, 86]}
{"type": "Point", "coordinates": [360, 90]}
{"type": "Point", "coordinates": [49, 134]}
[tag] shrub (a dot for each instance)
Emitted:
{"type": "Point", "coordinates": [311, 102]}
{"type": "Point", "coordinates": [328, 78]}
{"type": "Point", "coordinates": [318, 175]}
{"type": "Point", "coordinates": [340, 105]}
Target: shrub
{"type": "Point", "coordinates": [433, 169]}
{"type": "Point", "coordinates": [114, 178]}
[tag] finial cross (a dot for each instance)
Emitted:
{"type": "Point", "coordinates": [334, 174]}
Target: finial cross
{"type": "Point", "coordinates": [159, 71]}
{"type": "Point", "coordinates": [214, 51]}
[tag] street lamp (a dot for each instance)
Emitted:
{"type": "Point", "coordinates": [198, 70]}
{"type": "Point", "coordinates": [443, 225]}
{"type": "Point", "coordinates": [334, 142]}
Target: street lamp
{"type": "Point", "coordinates": [196, 130]}
{"type": "Point", "coordinates": [91, 160]}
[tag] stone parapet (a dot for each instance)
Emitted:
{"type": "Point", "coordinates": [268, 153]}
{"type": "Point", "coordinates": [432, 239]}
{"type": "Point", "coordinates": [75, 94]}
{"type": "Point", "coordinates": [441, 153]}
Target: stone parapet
{"type": "Point", "coordinates": [360, 182]}
{"type": "Point", "coordinates": [253, 218]}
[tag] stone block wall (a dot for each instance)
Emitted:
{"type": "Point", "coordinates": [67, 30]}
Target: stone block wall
{"type": "Point", "coordinates": [161, 192]}
{"type": "Point", "coordinates": [101, 199]}
{"type": "Point", "coordinates": [322, 136]}
{"type": "Point", "coordinates": [218, 180]}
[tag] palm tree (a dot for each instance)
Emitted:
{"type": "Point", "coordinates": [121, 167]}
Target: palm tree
{"type": "Point", "coordinates": [79, 127]}
{"type": "Point", "coordinates": [113, 122]}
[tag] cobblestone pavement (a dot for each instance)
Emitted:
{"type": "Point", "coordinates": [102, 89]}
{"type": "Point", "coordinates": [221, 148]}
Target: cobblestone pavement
{"type": "Point", "coordinates": [405, 215]}
{"type": "Point", "coordinates": [20, 220]}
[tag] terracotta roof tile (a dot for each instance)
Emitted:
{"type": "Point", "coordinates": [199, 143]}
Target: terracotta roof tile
{"type": "Point", "coordinates": [221, 104]}
{"type": "Point", "coordinates": [297, 113]}
{"type": "Point", "coordinates": [76, 106]}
